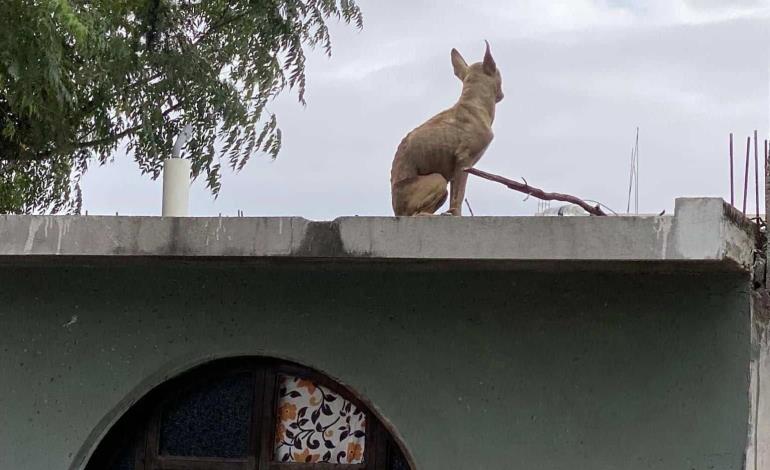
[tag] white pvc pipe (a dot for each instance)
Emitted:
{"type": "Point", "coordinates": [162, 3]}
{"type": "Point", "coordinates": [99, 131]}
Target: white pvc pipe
{"type": "Point", "coordinates": [176, 178]}
{"type": "Point", "coordinates": [184, 136]}
{"type": "Point", "coordinates": [176, 187]}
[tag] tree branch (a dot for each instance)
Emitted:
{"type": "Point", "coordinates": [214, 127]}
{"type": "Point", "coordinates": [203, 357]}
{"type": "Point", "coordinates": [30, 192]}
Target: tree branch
{"type": "Point", "coordinates": [93, 104]}
{"type": "Point", "coordinates": [218, 26]}
{"type": "Point", "coordinates": [90, 143]}
{"type": "Point", "coordinates": [120, 135]}
{"type": "Point", "coordinates": [535, 192]}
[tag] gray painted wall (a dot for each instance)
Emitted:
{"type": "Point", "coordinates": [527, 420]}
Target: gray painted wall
{"type": "Point", "coordinates": [475, 369]}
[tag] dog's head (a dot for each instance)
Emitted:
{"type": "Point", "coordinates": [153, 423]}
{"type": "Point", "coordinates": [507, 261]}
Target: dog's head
{"type": "Point", "coordinates": [482, 74]}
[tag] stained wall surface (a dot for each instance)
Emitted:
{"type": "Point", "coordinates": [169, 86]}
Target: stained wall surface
{"type": "Point", "coordinates": [474, 368]}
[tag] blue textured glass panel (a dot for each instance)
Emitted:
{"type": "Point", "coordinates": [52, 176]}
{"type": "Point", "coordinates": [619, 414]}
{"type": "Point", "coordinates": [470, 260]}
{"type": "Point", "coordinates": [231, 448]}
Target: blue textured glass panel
{"type": "Point", "coordinates": [209, 421]}
{"type": "Point", "coordinates": [125, 459]}
{"type": "Point", "coordinates": [397, 461]}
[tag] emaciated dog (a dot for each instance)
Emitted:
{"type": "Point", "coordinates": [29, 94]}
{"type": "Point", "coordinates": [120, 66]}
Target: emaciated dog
{"type": "Point", "coordinates": [437, 152]}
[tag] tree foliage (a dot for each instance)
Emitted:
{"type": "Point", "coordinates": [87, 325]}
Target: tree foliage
{"type": "Point", "coordinates": [80, 78]}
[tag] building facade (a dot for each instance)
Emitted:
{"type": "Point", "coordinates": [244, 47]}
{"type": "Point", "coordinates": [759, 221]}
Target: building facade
{"type": "Point", "coordinates": [425, 343]}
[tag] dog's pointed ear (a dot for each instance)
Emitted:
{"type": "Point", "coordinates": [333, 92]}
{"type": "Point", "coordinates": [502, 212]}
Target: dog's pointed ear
{"type": "Point", "coordinates": [459, 65]}
{"type": "Point", "coordinates": [490, 67]}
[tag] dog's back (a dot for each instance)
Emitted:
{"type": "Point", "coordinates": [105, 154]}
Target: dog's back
{"type": "Point", "coordinates": [428, 148]}
{"type": "Point", "coordinates": [438, 151]}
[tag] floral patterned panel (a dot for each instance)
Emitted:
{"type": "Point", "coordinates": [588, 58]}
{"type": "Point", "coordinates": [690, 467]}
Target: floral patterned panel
{"type": "Point", "coordinates": [317, 425]}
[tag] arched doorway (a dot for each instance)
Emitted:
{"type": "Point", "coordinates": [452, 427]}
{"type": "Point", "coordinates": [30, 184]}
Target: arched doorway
{"type": "Point", "coordinates": [249, 414]}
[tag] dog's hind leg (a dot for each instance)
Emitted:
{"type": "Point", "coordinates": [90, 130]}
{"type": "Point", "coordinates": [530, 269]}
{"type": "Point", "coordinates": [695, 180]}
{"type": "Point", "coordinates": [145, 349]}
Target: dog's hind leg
{"type": "Point", "coordinates": [419, 194]}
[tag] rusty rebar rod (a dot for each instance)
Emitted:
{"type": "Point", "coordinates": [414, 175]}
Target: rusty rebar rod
{"type": "Point", "coordinates": [756, 173]}
{"type": "Point", "coordinates": [470, 209]}
{"type": "Point", "coordinates": [746, 175]}
{"type": "Point", "coordinates": [767, 182]}
{"type": "Point", "coordinates": [732, 178]}
{"type": "Point", "coordinates": [536, 192]}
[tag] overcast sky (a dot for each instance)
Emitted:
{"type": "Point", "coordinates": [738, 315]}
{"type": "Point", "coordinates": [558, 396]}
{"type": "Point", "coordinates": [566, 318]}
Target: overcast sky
{"type": "Point", "coordinates": [578, 76]}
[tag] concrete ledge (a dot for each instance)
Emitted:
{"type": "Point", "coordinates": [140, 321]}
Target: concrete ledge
{"type": "Point", "coordinates": [701, 230]}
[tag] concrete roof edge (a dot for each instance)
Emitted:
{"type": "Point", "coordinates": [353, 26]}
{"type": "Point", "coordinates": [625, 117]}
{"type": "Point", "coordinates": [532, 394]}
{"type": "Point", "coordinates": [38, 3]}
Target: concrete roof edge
{"type": "Point", "coordinates": [702, 229]}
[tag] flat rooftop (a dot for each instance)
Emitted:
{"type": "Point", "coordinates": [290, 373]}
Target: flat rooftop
{"type": "Point", "coordinates": [702, 233]}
